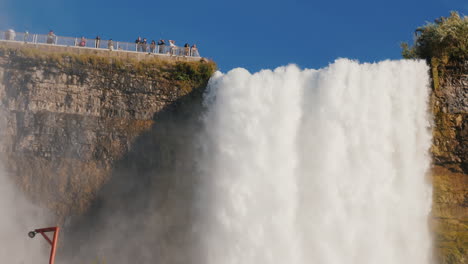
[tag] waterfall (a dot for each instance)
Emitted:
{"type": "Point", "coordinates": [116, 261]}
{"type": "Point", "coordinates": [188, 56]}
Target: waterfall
{"type": "Point", "coordinates": [316, 166]}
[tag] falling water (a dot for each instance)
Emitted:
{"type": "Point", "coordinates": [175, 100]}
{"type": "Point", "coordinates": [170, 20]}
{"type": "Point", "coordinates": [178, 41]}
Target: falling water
{"type": "Point", "coordinates": [316, 166]}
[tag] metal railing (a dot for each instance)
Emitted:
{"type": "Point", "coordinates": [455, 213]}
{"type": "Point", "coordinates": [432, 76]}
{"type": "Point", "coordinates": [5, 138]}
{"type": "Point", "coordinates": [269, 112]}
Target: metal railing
{"type": "Point", "coordinates": [98, 44]}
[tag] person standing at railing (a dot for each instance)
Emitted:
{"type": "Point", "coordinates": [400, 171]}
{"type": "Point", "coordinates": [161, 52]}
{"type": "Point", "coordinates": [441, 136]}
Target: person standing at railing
{"type": "Point", "coordinates": [51, 37]}
{"type": "Point", "coordinates": [195, 51]}
{"type": "Point", "coordinates": [161, 46]}
{"type": "Point", "coordinates": [186, 49]}
{"type": "Point", "coordinates": [144, 45]}
{"type": "Point", "coordinates": [82, 42]}
{"type": "Point", "coordinates": [152, 46]}
{"type": "Point", "coordinates": [110, 44]}
{"type": "Point", "coordinates": [26, 36]}
{"type": "Point", "coordinates": [97, 42]}
{"type": "Point", "coordinates": [172, 47]}
{"type": "Point", "coordinates": [138, 44]}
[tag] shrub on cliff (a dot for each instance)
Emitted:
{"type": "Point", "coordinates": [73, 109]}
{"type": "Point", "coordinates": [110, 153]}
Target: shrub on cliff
{"type": "Point", "coordinates": [446, 39]}
{"type": "Point", "coordinates": [197, 72]}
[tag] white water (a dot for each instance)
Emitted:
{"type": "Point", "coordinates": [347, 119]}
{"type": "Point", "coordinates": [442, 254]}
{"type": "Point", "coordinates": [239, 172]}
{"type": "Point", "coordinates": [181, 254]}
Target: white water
{"type": "Point", "coordinates": [312, 166]}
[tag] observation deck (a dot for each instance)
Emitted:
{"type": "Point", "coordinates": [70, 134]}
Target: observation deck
{"type": "Point", "coordinates": [105, 48]}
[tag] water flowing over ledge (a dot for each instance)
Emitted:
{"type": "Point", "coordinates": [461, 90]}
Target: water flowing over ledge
{"type": "Point", "coordinates": [324, 166]}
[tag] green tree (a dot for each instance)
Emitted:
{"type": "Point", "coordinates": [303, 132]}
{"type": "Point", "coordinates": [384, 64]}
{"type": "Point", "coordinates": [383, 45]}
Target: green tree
{"type": "Point", "coordinates": [446, 39]}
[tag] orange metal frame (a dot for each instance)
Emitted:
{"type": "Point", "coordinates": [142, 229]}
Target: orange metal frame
{"type": "Point", "coordinates": [53, 242]}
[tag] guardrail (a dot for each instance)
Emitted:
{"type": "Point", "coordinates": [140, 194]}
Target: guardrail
{"type": "Point", "coordinates": [98, 44]}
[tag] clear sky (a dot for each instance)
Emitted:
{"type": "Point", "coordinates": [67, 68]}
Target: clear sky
{"type": "Point", "coordinates": [254, 34]}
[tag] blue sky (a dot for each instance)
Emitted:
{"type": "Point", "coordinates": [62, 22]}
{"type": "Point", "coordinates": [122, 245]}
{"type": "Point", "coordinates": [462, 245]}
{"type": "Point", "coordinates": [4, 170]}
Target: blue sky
{"type": "Point", "coordinates": [254, 34]}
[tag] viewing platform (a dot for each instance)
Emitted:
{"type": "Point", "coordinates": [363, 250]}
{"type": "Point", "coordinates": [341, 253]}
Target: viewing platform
{"type": "Point", "coordinates": [105, 48]}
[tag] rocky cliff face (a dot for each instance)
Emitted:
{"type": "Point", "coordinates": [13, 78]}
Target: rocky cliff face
{"type": "Point", "coordinates": [67, 118]}
{"type": "Point", "coordinates": [450, 157]}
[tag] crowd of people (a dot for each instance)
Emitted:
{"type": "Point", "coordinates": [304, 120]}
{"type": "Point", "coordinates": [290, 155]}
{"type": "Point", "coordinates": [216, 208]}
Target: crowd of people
{"type": "Point", "coordinates": [162, 48]}
{"type": "Point", "coordinates": [141, 45]}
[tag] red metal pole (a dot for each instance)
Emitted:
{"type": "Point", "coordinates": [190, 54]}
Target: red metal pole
{"type": "Point", "coordinates": [54, 246]}
{"type": "Point", "coordinates": [53, 242]}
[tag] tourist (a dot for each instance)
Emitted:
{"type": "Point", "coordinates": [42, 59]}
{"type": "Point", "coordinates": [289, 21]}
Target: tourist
{"type": "Point", "coordinates": [138, 44]}
{"type": "Point", "coordinates": [161, 46]}
{"type": "Point", "coordinates": [144, 45]}
{"type": "Point", "coordinates": [152, 46]}
{"type": "Point", "coordinates": [82, 42]}
{"type": "Point", "coordinates": [110, 44]}
{"type": "Point", "coordinates": [186, 49]}
{"type": "Point", "coordinates": [97, 42]}
{"type": "Point", "coordinates": [195, 51]}
{"type": "Point", "coordinates": [26, 36]}
{"type": "Point", "coordinates": [51, 37]}
{"type": "Point", "coordinates": [172, 46]}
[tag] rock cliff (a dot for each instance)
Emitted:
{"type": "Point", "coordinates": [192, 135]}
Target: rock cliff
{"type": "Point", "coordinates": [450, 159]}
{"type": "Point", "coordinates": [67, 118]}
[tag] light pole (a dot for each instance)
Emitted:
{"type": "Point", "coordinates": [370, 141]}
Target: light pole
{"type": "Point", "coordinates": [53, 242]}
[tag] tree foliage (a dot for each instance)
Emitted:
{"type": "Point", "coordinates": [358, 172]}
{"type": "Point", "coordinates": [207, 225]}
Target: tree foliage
{"type": "Point", "coordinates": [445, 39]}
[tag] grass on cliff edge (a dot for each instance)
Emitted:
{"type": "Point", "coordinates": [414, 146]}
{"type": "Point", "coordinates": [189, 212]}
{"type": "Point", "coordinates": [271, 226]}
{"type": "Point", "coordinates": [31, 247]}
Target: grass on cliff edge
{"type": "Point", "coordinates": [186, 74]}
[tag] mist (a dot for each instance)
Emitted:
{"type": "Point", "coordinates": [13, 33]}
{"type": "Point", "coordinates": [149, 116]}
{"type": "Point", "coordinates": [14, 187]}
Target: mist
{"type": "Point", "coordinates": [18, 217]}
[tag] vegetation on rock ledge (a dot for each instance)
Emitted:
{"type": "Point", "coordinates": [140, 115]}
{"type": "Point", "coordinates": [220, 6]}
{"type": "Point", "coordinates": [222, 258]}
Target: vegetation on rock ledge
{"type": "Point", "coordinates": [446, 39]}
